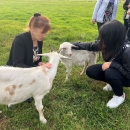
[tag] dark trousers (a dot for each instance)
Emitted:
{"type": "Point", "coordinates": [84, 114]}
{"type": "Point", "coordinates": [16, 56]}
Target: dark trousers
{"type": "Point", "coordinates": [110, 76]}
{"type": "Point", "coordinates": [126, 24]}
{"type": "Point", "coordinates": [99, 25]}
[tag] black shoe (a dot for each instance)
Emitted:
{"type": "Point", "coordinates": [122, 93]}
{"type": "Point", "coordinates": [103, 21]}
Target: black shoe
{"type": "Point", "coordinates": [29, 100]}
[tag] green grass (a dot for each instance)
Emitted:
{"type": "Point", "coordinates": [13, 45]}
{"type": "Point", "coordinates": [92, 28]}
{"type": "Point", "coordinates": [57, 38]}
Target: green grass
{"type": "Point", "coordinates": [79, 104]}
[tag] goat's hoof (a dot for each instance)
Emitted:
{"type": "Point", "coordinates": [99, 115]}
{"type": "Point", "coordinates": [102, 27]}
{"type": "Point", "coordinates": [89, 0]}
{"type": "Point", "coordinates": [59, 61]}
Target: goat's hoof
{"type": "Point", "coordinates": [43, 120]}
{"type": "Point", "coordinates": [0, 112]}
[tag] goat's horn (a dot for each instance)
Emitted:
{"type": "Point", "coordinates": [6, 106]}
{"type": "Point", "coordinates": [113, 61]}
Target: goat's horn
{"type": "Point", "coordinates": [59, 50]}
{"type": "Point", "coordinates": [51, 49]}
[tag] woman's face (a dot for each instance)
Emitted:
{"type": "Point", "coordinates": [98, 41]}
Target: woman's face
{"type": "Point", "coordinates": [37, 34]}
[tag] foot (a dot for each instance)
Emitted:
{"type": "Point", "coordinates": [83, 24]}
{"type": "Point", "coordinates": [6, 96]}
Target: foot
{"type": "Point", "coordinates": [116, 101]}
{"type": "Point", "coordinates": [107, 87]}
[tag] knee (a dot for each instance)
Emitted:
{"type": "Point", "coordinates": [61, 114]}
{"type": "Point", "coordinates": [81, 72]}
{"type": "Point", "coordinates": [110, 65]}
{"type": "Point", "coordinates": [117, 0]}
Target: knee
{"type": "Point", "coordinates": [94, 71]}
{"type": "Point", "coordinates": [90, 72]}
{"type": "Point", "coordinates": [111, 74]}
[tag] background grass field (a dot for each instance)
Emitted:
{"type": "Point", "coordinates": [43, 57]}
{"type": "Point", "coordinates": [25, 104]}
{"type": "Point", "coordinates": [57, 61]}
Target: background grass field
{"type": "Point", "coordinates": [79, 104]}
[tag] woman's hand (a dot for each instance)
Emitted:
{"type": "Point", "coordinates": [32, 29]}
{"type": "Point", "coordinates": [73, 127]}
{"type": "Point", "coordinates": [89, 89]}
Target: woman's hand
{"type": "Point", "coordinates": [128, 5]}
{"type": "Point", "coordinates": [93, 21]}
{"type": "Point", "coordinates": [47, 65]}
{"type": "Point", "coordinates": [106, 65]}
{"type": "Point", "coordinates": [128, 12]}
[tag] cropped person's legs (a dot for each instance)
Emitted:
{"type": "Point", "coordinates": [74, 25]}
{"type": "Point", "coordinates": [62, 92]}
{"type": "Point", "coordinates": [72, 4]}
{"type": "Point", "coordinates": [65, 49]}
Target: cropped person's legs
{"type": "Point", "coordinates": [128, 30]}
{"type": "Point", "coordinates": [99, 25]}
{"type": "Point", "coordinates": [126, 23]}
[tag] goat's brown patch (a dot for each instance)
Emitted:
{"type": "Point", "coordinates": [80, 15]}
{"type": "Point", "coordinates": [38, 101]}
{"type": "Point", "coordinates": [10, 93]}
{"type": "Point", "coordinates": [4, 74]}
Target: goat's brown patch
{"type": "Point", "coordinates": [44, 70]}
{"type": "Point", "coordinates": [13, 87]}
{"type": "Point", "coordinates": [32, 82]}
{"type": "Point", "coordinates": [10, 90]}
{"type": "Point", "coordinates": [7, 89]}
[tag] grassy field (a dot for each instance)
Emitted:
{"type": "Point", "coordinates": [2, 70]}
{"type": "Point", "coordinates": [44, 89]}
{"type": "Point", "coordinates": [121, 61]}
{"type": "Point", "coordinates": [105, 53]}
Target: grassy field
{"type": "Point", "coordinates": [79, 104]}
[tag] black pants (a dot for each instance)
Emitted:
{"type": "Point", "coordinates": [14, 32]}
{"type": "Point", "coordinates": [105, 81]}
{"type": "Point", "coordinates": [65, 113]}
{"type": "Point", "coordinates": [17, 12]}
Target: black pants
{"type": "Point", "coordinates": [126, 24]}
{"type": "Point", "coordinates": [99, 25]}
{"type": "Point", "coordinates": [110, 76]}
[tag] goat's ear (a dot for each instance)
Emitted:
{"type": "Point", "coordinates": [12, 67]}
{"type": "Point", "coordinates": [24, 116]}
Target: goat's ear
{"type": "Point", "coordinates": [73, 46]}
{"type": "Point", "coordinates": [51, 49]}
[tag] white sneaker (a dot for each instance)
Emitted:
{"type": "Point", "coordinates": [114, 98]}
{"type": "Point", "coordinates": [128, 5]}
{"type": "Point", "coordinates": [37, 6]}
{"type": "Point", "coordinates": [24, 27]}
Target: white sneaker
{"type": "Point", "coordinates": [116, 101]}
{"type": "Point", "coordinates": [107, 87]}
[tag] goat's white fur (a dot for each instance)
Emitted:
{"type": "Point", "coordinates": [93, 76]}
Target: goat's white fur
{"type": "Point", "coordinates": [79, 57]}
{"type": "Point", "coordinates": [19, 84]}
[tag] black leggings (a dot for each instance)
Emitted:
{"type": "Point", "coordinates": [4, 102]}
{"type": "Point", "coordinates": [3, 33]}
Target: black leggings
{"type": "Point", "coordinates": [110, 76]}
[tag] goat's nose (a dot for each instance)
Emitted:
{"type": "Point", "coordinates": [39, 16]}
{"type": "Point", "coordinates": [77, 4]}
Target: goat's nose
{"type": "Point", "coordinates": [70, 54]}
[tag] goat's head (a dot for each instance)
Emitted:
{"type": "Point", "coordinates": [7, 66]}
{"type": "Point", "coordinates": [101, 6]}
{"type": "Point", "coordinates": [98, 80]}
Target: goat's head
{"type": "Point", "coordinates": [66, 47]}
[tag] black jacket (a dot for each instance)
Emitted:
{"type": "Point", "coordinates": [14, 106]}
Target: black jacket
{"type": "Point", "coordinates": [21, 54]}
{"type": "Point", "coordinates": [121, 62]}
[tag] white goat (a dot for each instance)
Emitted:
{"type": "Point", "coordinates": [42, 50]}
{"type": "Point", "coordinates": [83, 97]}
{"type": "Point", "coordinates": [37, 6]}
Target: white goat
{"type": "Point", "coordinates": [79, 57]}
{"type": "Point", "coordinates": [19, 84]}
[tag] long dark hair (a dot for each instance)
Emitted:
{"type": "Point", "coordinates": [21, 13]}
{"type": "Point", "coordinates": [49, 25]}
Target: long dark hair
{"type": "Point", "coordinates": [112, 35]}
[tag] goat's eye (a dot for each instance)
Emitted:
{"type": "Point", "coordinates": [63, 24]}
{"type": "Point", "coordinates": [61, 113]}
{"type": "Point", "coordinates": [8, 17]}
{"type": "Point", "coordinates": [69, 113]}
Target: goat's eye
{"type": "Point", "coordinates": [64, 48]}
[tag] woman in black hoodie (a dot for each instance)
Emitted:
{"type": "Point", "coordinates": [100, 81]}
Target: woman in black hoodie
{"type": "Point", "coordinates": [116, 53]}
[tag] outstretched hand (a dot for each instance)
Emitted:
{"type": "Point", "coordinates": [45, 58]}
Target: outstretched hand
{"type": "Point", "coordinates": [47, 65]}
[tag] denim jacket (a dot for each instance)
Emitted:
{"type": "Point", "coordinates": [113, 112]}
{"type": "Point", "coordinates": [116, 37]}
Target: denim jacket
{"type": "Point", "coordinates": [99, 10]}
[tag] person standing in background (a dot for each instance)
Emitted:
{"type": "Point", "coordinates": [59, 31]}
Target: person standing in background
{"type": "Point", "coordinates": [126, 18]}
{"type": "Point", "coordinates": [104, 10]}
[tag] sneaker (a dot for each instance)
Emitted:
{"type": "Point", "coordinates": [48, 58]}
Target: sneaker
{"type": "Point", "coordinates": [116, 101]}
{"type": "Point", "coordinates": [107, 88]}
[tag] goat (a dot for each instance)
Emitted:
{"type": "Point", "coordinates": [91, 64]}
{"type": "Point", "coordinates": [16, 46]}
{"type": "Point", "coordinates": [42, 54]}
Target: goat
{"type": "Point", "coordinates": [79, 58]}
{"type": "Point", "coordinates": [19, 84]}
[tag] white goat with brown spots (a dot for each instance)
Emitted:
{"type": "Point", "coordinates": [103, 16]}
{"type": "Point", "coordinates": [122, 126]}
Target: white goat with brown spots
{"type": "Point", "coordinates": [19, 84]}
{"type": "Point", "coordinates": [79, 58]}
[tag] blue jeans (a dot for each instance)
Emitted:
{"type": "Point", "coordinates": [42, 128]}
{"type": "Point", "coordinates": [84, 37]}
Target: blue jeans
{"type": "Point", "coordinates": [110, 76]}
